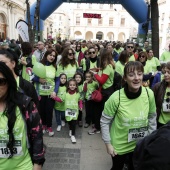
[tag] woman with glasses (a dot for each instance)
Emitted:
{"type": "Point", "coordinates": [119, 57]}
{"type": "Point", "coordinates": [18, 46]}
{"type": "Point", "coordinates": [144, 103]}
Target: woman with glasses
{"type": "Point", "coordinates": [45, 89]}
{"type": "Point", "coordinates": [128, 116]}
{"type": "Point", "coordinates": [21, 138]}
{"type": "Point", "coordinates": [162, 97]}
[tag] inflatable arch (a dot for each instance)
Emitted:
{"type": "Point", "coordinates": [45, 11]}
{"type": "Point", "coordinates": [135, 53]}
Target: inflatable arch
{"type": "Point", "coordinates": [138, 9]}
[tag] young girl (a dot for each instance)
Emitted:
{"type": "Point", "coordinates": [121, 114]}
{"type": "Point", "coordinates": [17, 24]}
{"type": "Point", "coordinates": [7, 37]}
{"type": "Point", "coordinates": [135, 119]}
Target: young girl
{"type": "Point", "coordinates": [79, 79]}
{"type": "Point", "coordinates": [60, 107]}
{"type": "Point", "coordinates": [72, 104]}
{"type": "Point", "coordinates": [88, 87]}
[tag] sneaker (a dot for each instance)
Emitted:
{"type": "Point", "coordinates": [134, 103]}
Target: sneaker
{"type": "Point", "coordinates": [44, 128]}
{"type": "Point", "coordinates": [50, 131]}
{"type": "Point", "coordinates": [63, 123]}
{"type": "Point", "coordinates": [58, 128]}
{"type": "Point", "coordinates": [73, 139]}
{"type": "Point", "coordinates": [86, 125]}
{"type": "Point", "coordinates": [70, 133]}
{"type": "Point", "coordinates": [93, 131]}
{"type": "Point", "coordinates": [80, 123]}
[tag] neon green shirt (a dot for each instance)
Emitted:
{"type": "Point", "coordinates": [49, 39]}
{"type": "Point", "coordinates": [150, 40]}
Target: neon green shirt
{"type": "Point", "coordinates": [132, 58]}
{"type": "Point", "coordinates": [80, 88]}
{"type": "Point", "coordinates": [61, 94]}
{"type": "Point", "coordinates": [21, 159]}
{"type": "Point", "coordinates": [118, 51]}
{"type": "Point", "coordinates": [110, 72]}
{"type": "Point", "coordinates": [165, 116]}
{"type": "Point", "coordinates": [71, 106]}
{"type": "Point", "coordinates": [132, 115]}
{"type": "Point", "coordinates": [83, 64]}
{"type": "Point", "coordinates": [90, 88]}
{"type": "Point", "coordinates": [93, 65]}
{"type": "Point", "coordinates": [69, 70]}
{"type": "Point", "coordinates": [83, 49]}
{"type": "Point", "coordinates": [165, 56]}
{"type": "Point", "coordinates": [47, 88]}
{"type": "Point", "coordinates": [119, 68]}
{"type": "Point", "coordinates": [147, 68]}
{"type": "Point", "coordinates": [153, 63]}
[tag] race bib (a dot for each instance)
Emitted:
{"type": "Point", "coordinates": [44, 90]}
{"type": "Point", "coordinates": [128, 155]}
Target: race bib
{"type": "Point", "coordinates": [71, 113]}
{"type": "Point", "coordinates": [45, 86]}
{"type": "Point", "coordinates": [5, 152]}
{"type": "Point", "coordinates": [166, 107]}
{"type": "Point", "coordinates": [137, 133]}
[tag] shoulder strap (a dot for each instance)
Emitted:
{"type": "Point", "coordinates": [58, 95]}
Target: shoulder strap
{"type": "Point", "coordinates": [147, 92]}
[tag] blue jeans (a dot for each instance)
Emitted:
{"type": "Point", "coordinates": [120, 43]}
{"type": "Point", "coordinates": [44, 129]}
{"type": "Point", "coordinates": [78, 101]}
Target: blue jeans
{"type": "Point", "coordinates": [60, 115]}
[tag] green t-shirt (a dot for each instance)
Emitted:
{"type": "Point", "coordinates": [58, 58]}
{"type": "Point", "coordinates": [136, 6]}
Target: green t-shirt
{"type": "Point", "coordinates": [47, 88]}
{"type": "Point", "coordinates": [147, 68]}
{"type": "Point", "coordinates": [25, 75]}
{"type": "Point", "coordinates": [132, 58]}
{"type": "Point", "coordinates": [80, 88]}
{"type": "Point", "coordinates": [132, 114]}
{"type": "Point", "coordinates": [21, 159]}
{"type": "Point", "coordinates": [119, 68]}
{"type": "Point", "coordinates": [165, 112]}
{"type": "Point", "coordinates": [69, 70]}
{"type": "Point", "coordinates": [91, 87]}
{"type": "Point", "coordinates": [71, 106]}
{"type": "Point", "coordinates": [83, 49]}
{"type": "Point", "coordinates": [153, 63]}
{"type": "Point", "coordinates": [165, 56]}
{"type": "Point", "coordinates": [93, 65]}
{"type": "Point", "coordinates": [110, 72]}
{"type": "Point", "coordinates": [61, 94]}
{"type": "Point", "coordinates": [118, 51]}
{"type": "Point", "coordinates": [83, 64]}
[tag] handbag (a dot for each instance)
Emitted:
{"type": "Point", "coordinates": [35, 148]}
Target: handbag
{"type": "Point", "coordinates": [97, 95]}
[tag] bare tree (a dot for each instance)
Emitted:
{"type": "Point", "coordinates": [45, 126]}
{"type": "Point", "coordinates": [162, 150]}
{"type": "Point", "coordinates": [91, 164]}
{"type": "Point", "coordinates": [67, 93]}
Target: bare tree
{"type": "Point", "coordinates": [155, 26]}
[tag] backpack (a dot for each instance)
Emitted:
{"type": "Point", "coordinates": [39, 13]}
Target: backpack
{"type": "Point", "coordinates": [153, 152]}
{"type": "Point", "coordinates": [115, 56]}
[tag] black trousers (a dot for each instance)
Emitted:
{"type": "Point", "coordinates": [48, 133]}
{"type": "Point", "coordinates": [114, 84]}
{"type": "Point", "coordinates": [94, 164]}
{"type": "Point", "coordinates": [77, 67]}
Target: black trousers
{"type": "Point", "coordinates": [80, 116]}
{"type": "Point", "coordinates": [90, 109]}
{"type": "Point", "coordinates": [46, 106]}
{"type": "Point", "coordinates": [120, 160]}
{"type": "Point", "coordinates": [72, 126]}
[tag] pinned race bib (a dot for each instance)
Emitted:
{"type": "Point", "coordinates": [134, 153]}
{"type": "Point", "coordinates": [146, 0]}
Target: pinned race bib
{"type": "Point", "coordinates": [137, 133]}
{"type": "Point", "coordinates": [166, 107]}
{"type": "Point", "coordinates": [71, 113]}
{"type": "Point", "coordinates": [5, 152]}
{"type": "Point", "coordinates": [45, 86]}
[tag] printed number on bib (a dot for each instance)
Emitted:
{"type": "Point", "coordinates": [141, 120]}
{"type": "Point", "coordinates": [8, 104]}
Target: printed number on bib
{"type": "Point", "coordinates": [45, 87]}
{"type": "Point", "coordinates": [138, 133]}
{"type": "Point", "coordinates": [5, 152]}
{"type": "Point", "coordinates": [166, 107]}
{"type": "Point", "coordinates": [71, 113]}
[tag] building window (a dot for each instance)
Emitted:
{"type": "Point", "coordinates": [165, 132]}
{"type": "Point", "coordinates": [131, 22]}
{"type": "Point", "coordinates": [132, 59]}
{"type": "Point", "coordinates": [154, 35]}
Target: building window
{"type": "Point", "coordinates": [111, 6]}
{"type": "Point", "coordinates": [77, 20]}
{"type": "Point", "coordinates": [100, 22]}
{"type": "Point", "coordinates": [101, 6]}
{"type": "Point", "coordinates": [122, 22]}
{"type": "Point", "coordinates": [90, 6]}
{"type": "Point", "coordinates": [89, 21]}
{"type": "Point", "coordinates": [60, 18]}
{"type": "Point", "coordinates": [78, 5]}
{"type": "Point", "coordinates": [110, 21]}
{"type": "Point", "coordinates": [163, 15]}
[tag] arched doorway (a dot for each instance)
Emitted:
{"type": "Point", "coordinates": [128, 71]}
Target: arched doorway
{"type": "Point", "coordinates": [78, 35]}
{"type": "Point", "coordinates": [121, 37]}
{"type": "Point", "coordinates": [110, 36]}
{"type": "Point", "coordinates": [99, 35]}
{"type": "Point", "coordinates": [2, 27]}
{"type": "Point", "coordinates": [89, 35]}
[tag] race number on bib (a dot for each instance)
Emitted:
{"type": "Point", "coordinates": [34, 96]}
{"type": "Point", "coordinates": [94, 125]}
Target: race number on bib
{"type": "Point", "coordinates": [5, 152]}
{"type": "Point", "coordinates": [45, 87]}
{"type": "Point", "coordinates": [70, 113]}
{"type": "Point", "coordinates": [166, 107]}
{"type": "Point", "coordinates": [138, 133]}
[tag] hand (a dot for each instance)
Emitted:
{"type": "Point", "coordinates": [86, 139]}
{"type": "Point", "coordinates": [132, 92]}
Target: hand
{"type": "Point", "coordinates": [37, 167]}
{"type": "Point", "coordinates": [42, 81]}
{"type": "Point", "coordinates": [80, 109]}
{"type": "Point", "coordinates": [53, 94]}
{"type": "Point", "coordinates": [92, 71]}
{"type": "Point", "coordinates": [23, 61]}
{"type": "Point", "coordinates": [86, 81]}
{"type": "Point", "coordinates": [110, 150]}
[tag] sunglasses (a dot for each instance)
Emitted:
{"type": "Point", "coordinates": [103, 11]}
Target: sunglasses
{"type": "Point", "coordinates": [142, 56]}
{"type": "Point", "coordinates": [3, 81]}
{"type": "Point", "coordinates": [130, 47]}
{"type": "Point", "coordinates": [70, 54]}
{"type": "Point", "coordinates": [168, 99]}
{"type": "Point", "coordinates": [93, 52]}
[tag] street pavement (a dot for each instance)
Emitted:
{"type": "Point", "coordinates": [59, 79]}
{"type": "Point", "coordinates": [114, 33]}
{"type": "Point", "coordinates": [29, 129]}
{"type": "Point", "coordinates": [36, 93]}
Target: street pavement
{"type": "Point", "coordinates": [89, 153]}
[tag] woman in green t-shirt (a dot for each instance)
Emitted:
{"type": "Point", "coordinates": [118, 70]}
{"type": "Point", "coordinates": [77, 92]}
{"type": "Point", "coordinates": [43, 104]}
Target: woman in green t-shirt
{"type": "Point", "coordinates": [129, 115]}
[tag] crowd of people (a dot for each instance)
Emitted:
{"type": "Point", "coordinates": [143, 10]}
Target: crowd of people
{"type": "Point", "coordinates": [123, 89]}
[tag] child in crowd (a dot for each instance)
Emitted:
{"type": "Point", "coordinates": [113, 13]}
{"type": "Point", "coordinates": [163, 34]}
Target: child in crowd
{"type": "Point", "coordinates": [60, 107]}
{"type": "Point", "coordinates": [88, 87]}
{"type": "Point", "coordinates": [72, 104]}
{"type": "Point", "coordinates": [79, 79]}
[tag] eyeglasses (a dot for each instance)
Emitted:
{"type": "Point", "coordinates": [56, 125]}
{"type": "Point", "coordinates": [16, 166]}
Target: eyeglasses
{"type": "Point", "coordinates": [70, 54]}
{"type": "Point", "coordinates": [93, 52]}
{"type": "Point", "coordinates": [168, 99]}
{"type": "Point", "coordinates": [3, 81]}
{"type": "Point", "coordinates": [130, 47]}
{"type": "Point", "coordinates": [141, 56]}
